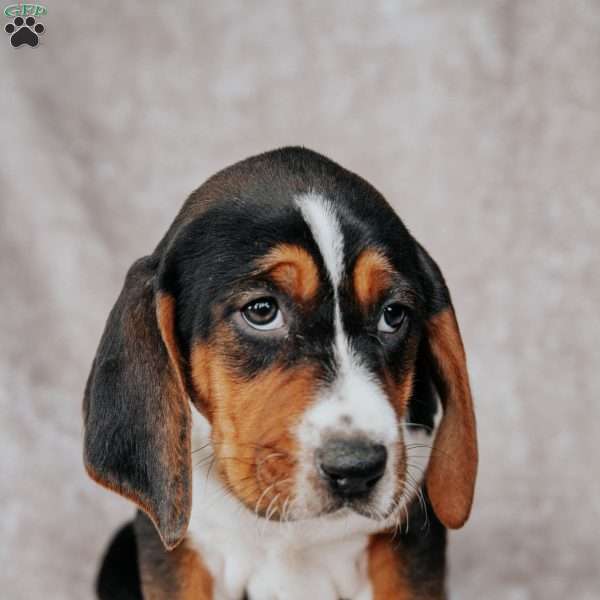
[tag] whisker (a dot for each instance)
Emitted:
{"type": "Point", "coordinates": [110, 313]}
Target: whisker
{"type": "Point", "coordinates": [257, 505]}
{"type": "Point", "coordinates": [201, 447]}
{"type": "Point", "coordinates": [272, 510]}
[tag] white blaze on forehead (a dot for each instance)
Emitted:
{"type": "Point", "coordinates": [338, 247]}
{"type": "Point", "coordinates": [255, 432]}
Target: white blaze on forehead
{"type": "Point", "coordinates": [320, 216]}
{"type": "Point", "coordinates": [355, 392]}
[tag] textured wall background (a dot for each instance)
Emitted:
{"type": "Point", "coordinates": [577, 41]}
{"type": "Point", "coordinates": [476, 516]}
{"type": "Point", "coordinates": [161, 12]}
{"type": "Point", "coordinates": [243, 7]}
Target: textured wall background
{"type": "Point", "coordinates": [478, 120]}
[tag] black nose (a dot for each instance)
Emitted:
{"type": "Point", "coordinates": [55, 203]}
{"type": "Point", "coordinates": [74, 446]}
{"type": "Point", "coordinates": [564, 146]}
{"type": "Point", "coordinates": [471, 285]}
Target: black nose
{"type": "Point", "coordinates": [351, 467]}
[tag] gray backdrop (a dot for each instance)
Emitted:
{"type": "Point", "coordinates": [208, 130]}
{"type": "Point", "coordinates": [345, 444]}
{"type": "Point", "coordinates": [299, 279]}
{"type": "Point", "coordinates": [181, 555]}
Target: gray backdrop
{"type": "Point", "coordinates": [478, 120]}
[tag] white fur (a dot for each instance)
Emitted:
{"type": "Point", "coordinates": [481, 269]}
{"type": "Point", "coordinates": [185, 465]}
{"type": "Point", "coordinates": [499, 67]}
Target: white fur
{"type": "Point", "coordinates": [320, 216]}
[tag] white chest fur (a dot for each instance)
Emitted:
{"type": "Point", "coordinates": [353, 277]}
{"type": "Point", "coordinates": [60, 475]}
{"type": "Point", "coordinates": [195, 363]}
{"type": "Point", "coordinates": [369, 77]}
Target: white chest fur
{"type": "Point", "coordinates": [324, 559]}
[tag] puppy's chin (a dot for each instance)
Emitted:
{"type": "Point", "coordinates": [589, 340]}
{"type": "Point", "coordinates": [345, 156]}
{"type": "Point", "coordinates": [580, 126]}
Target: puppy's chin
{"type": "Point", "coordinates": [329, 508]}
{"type": "Point", "coordinates": [384, 504]}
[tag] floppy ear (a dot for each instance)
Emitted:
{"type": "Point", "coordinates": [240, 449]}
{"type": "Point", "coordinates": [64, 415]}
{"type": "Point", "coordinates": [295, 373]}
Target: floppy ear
{"type": "Point", "coordinates": [136, 410]}
{"type": "Point", "coordinates": [452, 468]}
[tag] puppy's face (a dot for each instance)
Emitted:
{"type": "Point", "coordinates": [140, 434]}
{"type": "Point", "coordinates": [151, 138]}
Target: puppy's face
{"type": "Point", "coordinates": [307, 325]}
{"type": "Point", "coordinates": [302, 346]}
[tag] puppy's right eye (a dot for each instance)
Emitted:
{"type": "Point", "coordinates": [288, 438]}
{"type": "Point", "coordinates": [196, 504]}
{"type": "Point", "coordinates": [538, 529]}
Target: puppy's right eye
{"type": "Point", "coordinates": [263, 314]}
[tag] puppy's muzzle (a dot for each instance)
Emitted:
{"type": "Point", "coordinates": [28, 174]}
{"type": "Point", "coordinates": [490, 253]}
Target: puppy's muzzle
{"type": "Point", "coordinates": [351, 467]}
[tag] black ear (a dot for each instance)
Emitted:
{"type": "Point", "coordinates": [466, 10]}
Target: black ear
{"type": "Point", "coordinates": [136, 411]}
{"type": "Point", "coordinates": [452, 468]}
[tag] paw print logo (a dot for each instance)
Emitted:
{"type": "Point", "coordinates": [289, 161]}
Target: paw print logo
{"type": "Point", "coordinates": [24, 31]}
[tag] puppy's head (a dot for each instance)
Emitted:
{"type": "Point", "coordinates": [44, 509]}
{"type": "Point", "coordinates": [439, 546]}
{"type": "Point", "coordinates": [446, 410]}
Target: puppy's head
{"type": "Point", "coordinates": [294, 310]}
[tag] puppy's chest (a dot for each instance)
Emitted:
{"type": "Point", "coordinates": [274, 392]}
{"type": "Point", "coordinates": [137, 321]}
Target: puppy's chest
{"type": "Point", "coordinates": [263, 563]}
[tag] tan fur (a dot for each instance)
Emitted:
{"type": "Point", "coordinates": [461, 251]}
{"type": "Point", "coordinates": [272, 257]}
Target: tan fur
{"type": "Point", "coordinates": [182, 575]}
{"type": "Point", "coordinates": [372, 276]}
{"type": "Point", "coordinates": [293, 269]}
{"type": "Point", "coordinates": [386, 572]}
{"type": "Point", "coordinates": [453, 463]}
{"type": "Point", "coordinates": [399, 393]}
{"type": "Point", "coordinates": [196, 581]}
{"type": "Point", "coordinates": [252, 423]}
{"type": "Point", "coordinates": [165, 316]}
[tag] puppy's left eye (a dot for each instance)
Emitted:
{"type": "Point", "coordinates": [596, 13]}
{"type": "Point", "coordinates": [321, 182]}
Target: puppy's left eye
{"type": "Point", "coordinates": [393, 316]}
{"type": "Point", "coordinates": [263, 314]}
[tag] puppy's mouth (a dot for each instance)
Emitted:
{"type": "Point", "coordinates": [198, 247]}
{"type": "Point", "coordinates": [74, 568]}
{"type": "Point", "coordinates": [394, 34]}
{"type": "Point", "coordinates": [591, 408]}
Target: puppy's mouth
{"type": "Point", "coordinates": [279, 505]}
{"type": "Point", "coordinates": [348, 507]}
{"type": "Point", "coordinates": [347, 477]}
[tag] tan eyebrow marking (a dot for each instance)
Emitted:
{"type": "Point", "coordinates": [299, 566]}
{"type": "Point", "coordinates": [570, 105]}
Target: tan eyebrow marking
{"type": "Point", "coordinates": [293, 269]}
{"type": "Point", "coordinates": [373, 274]}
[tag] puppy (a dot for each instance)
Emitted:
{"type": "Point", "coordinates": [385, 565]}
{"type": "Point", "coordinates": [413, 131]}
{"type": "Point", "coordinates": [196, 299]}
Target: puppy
{"type": "Point", "coordinates": [281, 389]}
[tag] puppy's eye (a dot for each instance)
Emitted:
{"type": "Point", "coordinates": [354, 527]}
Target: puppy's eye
{"type": "Point", "coordinates": [263, 314]}
{"type": "Point", "coordinates": [393, 316]}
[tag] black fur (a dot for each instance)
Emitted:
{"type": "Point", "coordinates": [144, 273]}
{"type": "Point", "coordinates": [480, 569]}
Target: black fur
{"type": "Point", "coordinates": [423, 550]}
{"type": "Point", "coordinates": [119, 577]}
